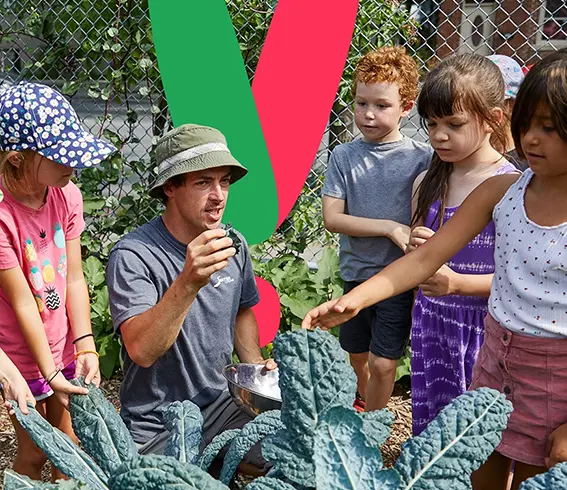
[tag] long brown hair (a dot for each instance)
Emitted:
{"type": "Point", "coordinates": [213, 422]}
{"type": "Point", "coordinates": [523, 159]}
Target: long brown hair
{"type": "Point", "coordinates": [545, 86]}
{"type": "Point", "coordinates": [461, 83]}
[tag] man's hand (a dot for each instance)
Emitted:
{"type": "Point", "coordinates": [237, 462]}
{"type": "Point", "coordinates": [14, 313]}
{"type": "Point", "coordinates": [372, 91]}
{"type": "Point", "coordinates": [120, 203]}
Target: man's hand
{"type": "Point", "coordinates": [207, 254]}
{"type": "Point", "coordinates": [331, 313]}
{"type": "Point", "coordinates": [418, 236]}
{"type": "Point", "coordinates": [269, 364]}
{"type": "Point", "coordinates": [557, 446]}
{"type": "Point", "coordinates": [443, 283]}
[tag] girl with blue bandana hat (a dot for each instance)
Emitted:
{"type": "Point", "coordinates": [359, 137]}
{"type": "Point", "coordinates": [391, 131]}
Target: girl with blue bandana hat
{"type": "Point", "coordinates": [513, 76]}
{"type": "Point", "coordinates": [45, 326]}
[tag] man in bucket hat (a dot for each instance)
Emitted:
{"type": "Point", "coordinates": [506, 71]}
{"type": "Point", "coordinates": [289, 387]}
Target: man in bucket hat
{"type": "Point", "coordinates": [181, 295]}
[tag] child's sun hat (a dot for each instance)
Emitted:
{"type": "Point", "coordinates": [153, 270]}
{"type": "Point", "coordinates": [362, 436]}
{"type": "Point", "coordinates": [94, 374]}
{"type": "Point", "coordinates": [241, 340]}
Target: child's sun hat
{"type": "Point", "coordinates": [511, 72]}
{"type": "Point", "coordinates": [36, 117]}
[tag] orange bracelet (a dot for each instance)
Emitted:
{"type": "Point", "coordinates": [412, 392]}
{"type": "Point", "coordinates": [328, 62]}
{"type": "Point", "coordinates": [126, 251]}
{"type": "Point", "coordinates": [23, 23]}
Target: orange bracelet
{"type": "Point", "coordinates": [81, 352]}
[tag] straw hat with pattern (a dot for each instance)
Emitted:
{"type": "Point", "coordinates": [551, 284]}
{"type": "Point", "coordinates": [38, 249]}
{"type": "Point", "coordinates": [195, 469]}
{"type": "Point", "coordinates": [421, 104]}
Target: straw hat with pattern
{"type": "Point", "coordinates": [190, 148]}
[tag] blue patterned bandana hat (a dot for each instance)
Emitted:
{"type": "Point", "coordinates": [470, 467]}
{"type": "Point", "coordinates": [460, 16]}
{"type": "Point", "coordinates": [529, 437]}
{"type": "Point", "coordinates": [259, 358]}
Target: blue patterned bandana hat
{"type": "Point", "coordinates": [511, 72]}
{"type": "Point", "coordinates": [36, 117]}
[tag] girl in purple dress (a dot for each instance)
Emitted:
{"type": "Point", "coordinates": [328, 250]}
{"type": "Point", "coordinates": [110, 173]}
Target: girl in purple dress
{"type": "Point", "coordinates": [461, 102]}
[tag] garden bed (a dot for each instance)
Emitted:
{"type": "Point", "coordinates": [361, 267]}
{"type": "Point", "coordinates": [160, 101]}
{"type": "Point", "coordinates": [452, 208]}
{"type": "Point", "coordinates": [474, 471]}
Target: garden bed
{"type": "Point", "coordinates": [400, 405]}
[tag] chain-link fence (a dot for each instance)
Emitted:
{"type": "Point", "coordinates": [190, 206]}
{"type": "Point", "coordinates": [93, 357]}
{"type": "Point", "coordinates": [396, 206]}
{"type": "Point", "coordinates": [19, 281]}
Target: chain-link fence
{"type": "Point", "coordinates": [100, 53]}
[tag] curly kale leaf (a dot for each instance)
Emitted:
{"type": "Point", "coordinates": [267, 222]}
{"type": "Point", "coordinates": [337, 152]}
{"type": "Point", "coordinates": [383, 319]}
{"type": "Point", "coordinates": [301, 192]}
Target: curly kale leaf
{"type": "Point", "coordinates": [314, 377]}
{"type": "Point", "coordinates": [15, 481]}
{"type": "Point", "coordinates": [231, 233]}
{"type": "Point", "coordinates": [159, 472]}
{"type": "Point", "coordinates": [376, 426]}
{"type": "Point", "coordinates": [343, 457]}
{"type": "Point", "coordinates": [293, 459]}
{"type": "Point", "coordinates": [214, 447]}
{"type": "Point", "coordinates": [266, 483]}
{"type": "Point", "coordinates": [100, 428]}
{"type": "Point", "coordinates": [455, 443]}
{"type": "Point", "coordinates": [554, 479]}
{"type": "Point", "coordinates": [184, 421]}
{"type": "Point", "coordinates": [61, 450]}
{"type": "Point", "coordinates": [254, 431]}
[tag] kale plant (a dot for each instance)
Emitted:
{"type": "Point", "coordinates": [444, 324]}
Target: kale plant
{"type": "Point", "coordinates": [231, 233]}
{"type": "Point", "coordinates": [317, 441]}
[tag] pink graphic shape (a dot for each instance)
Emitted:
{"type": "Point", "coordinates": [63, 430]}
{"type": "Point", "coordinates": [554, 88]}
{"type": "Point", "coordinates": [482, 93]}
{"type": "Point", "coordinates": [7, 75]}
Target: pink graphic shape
{"type": "Point", "coordinates": [296, 82]}
{"type": "Point", "coordinates": [267, 311]}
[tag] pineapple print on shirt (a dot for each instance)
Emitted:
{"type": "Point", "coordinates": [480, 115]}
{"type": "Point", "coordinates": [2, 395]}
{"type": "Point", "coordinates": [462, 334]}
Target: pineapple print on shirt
{"type": "Point", "coordinates": [39, 301]}
{"type": "Point", "coordinates": [30, 252]}
{"type": "Point", "coordinates": [35, 278]}
{"type": "Point", "coordinates": [59, 237]}
{"type": "Point", "coordinates": [62, 266]}
{"type": "Point", "coordinates": [43, 243]}
{"type": "Point", "coordinates": [52, 299]}
{"type": "Point", "coordinates": [48, 272]}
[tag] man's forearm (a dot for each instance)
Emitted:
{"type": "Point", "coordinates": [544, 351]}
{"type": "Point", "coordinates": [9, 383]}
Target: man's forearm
{"type": "Point", "coordinates": [246, 337]}
{"type": "Point", "coordinates": [149, 335]}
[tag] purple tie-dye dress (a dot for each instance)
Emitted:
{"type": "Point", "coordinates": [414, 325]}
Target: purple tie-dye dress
{"type": "Point", "coordinates": [447, 332]}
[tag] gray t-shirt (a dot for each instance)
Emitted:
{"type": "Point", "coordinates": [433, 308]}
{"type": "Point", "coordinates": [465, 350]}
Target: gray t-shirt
{"type": "Point", "coordinates": [375, 180]}
{"type": "Point", "coordinates": [141, 268]}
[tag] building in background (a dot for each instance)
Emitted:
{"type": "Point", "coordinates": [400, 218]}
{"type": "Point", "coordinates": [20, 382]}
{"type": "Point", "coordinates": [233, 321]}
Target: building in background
{"type": "Point", "coordinates": [525, 30]}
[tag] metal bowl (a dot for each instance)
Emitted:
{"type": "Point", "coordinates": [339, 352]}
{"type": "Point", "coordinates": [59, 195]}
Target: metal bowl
{"type": "Point", "coordinates": [253, 388]}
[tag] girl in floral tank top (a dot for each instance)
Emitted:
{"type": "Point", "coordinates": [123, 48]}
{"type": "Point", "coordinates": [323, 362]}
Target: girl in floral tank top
{"type": "Point", "coordinates": [524, 354]}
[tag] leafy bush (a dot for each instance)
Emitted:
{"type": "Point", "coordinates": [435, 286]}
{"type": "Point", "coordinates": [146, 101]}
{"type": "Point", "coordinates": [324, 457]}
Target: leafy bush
{"type": "Point", "coordinates": [302, 289]}
{"type": "Point", "coordinates": [317, 440]}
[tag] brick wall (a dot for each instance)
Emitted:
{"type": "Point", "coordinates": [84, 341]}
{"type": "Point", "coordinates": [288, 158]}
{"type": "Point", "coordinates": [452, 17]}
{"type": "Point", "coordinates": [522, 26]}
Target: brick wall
{"type": "Point", "coordinates": [450, 16]}
{"type": "Point", "coordinates": [516, 22]}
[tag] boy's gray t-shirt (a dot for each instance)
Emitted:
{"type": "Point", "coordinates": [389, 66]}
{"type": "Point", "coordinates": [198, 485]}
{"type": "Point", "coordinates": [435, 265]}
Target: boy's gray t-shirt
{"type": "Point", "coordinates": [375, 180]}
{"type": "Point", "coordinates": [142, 266]}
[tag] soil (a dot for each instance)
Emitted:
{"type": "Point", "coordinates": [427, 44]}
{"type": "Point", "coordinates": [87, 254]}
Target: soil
{"type": "Point", "coordinates": [400, 405]}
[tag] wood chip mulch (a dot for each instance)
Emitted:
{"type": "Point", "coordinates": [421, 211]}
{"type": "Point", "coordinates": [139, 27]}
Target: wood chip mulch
{"type": "Point", "coordinates": [400, 405]}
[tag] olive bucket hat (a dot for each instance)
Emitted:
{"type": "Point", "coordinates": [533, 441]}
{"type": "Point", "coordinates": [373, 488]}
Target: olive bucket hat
{"type": "Point", "coordinates": [190, 148]}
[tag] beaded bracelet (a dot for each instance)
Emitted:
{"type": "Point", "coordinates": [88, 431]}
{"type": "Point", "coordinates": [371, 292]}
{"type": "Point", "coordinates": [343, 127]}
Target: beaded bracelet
{"type": "Point", "coordinates": [52, 377]}
{"type": "Point", "coordinates": [81, 352]}
{"type": "Point", "coordinates": [83, 337]}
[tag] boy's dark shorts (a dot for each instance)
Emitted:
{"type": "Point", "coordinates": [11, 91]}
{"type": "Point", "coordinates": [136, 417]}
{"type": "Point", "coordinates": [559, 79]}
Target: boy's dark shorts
{"type": "Point", "coordinates": [383, 328]}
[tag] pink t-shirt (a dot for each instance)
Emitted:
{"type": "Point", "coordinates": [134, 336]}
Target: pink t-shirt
{"type": "Point", "coordinates": [34, 239]}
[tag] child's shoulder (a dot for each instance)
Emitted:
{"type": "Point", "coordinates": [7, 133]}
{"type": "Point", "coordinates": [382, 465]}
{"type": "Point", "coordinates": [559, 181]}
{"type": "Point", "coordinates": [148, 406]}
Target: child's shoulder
{"type": "Point", "coordinates": [419, 147]}
{"type": "Point", "coordinates": [6, 213]}
{"type": "Point", "coordinates": [344, 150]}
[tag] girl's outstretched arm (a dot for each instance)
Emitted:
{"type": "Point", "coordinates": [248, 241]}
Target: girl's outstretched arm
{"type": "Point", "coordinates": [79, 312]}
{"type": "Point", "coordinates": [16, 287]}
{"type": "Point", "coordinates": [418, 266]}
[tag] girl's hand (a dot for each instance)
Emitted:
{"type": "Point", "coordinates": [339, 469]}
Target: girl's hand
{"type": "Point", "coordinates": [63, 389]}
{"type": "Point", "coordinates": [15, 387]}
{"type": "Point", "coordinates": [331, 313]}
{"type": "Point", "coordinates": [88, 366]}
{"type": "Point", "coordinates": [443, 283]}
{"type": "Point", "coordinates": [557, 446]}
{"type": "Point", "coordinates": [418, 236]}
